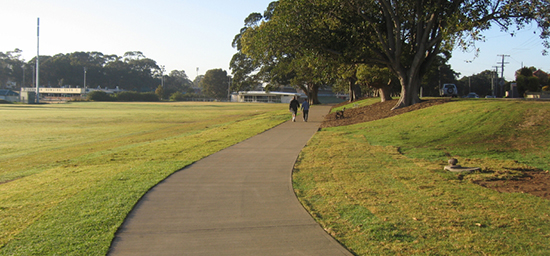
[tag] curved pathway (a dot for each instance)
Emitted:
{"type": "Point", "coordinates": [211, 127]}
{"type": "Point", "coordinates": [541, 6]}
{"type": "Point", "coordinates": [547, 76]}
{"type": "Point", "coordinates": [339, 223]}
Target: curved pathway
{"type": "Point", "coordinates": [239, 201]}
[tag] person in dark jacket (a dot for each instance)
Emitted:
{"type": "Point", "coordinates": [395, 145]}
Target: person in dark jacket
{"type": "Point", "coordinates": [305, 109]}
{"type": "Point", "coordinates": [293, 107]}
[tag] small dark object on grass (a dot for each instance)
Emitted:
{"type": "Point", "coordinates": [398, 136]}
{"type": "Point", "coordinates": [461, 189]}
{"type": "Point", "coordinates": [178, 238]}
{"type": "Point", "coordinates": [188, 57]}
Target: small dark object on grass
{"type": "Point", "coordinates": [453, 161]}
{"type": "Point", "coordinates": [454, 167]}
{"type": "Point", "coordinates": [340, 114]}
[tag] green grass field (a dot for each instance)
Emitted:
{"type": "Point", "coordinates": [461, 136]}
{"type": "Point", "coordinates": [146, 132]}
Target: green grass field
{"type": "Point", "coordinates": [380, 188]}
{"type": "Point", "coordinates": [70, 173]}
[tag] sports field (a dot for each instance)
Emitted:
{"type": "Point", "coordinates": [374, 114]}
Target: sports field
{"type": "Point", "coordinates": [70, 173]}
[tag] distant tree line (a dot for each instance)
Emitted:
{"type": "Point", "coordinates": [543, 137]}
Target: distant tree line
{"type": "Point", "coordinates": [132, 72]}
{"type": "Point", "coordinates": [527, 79]}
{"type": "Point", "coordinates": [127, 96]}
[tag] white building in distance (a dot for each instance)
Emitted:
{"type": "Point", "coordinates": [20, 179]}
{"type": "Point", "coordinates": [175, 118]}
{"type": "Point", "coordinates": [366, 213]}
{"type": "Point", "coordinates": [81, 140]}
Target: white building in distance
{"type": "Point", "coordinates": [265, 97]}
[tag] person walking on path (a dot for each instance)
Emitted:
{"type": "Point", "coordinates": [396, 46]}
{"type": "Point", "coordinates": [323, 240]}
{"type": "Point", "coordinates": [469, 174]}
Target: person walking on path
{"type": "Point", "coordinates": [305, 109]}
{"type": "Point", "coordinates": [293, 107]}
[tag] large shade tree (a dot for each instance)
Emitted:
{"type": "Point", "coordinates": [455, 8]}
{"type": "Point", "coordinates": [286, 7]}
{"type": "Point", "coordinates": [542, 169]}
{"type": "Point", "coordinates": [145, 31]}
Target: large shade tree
{"type": "Point", "coordinates": [11, 67]}
{"type": "Point", "coordinates": [271, 56]}
{"type": "Point", "coordinates": [177, 81]}
{"type": "Point", "coordinates": [249, 72]}
{"type": "Point", "coordinates": [405, 35]}
{"type": "Point", "coordinates": [215, 83]}
{"type": "Point", "coordinates": [243, 67]}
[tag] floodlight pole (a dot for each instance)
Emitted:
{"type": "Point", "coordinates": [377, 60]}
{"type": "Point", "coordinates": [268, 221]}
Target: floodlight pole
{"type": "Point", "coordinates": [85, 71]}
{"type": "Point", "coordinates": [38, 60]}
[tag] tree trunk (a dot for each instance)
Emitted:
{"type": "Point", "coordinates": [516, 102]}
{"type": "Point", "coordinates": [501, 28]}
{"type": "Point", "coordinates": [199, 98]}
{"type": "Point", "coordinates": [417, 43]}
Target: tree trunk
{"type": "Point", "coordinates": [357, 91]}
{"type": "Point", "coordinates": [313, 96]}
{"type": "Point", "coordinates": [354, 89]}
{"type": "Point", "coordinates": [385, 93]}
{"type": "Point", "coordinates": [350, 90]}
{"type": "Point", "coordinates": [409, 92]}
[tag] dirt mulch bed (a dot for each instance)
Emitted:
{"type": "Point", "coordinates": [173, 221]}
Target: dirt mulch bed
{"type": "Point", "coordinates": [535, 183]}
{"type": "Point", "coordinates": [374, 112]}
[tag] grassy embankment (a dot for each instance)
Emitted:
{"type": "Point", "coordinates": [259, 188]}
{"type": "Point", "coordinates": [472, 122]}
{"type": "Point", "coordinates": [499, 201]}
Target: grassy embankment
{"type": "Point", "coordinates": [70, 173]}
{"type": "Point", "coordinates": [380, 188]}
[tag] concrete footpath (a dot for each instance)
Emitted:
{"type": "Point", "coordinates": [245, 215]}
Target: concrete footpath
{"type": "Point", "coordinates": [239, 201]}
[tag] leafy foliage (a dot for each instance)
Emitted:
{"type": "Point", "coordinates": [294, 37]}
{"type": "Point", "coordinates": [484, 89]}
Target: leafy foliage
{"type": "Point", "coordinates": [100, 96]}
{"type": "Point", "coordinates": [177, 96]}
{"type": "Point", "coordinates": [478, 83]}
{"type": "Point", "coordinates": [128, 96]}
{"type": "Point", "coordinates": [11, 67]}
{"type": "Point", "coordinates": [405, 36]}
{"type": "Point", "coordinates": [136, 96]}
{"type": "Point", "coordinates": [133, 71]}
{"type": "Point", "coordinates": [215, 84]}
{"type": "Point", "coordinates": [159, 92]}
{"type": "Point", "coordinates": [527, 82]}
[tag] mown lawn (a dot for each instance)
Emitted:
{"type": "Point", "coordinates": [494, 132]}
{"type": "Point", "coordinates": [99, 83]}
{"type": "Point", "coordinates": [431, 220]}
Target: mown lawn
{"type": "Point", "coordinates": [70, 173]}
{"type": "Point", "coordinates": [380, 188]}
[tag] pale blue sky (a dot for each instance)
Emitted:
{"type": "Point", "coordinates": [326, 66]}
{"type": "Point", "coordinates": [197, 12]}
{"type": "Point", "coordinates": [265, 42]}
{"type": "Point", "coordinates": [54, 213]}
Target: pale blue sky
{"type": "Point", "coordinates": [184, 35]}
{"type": "Point", "coordinates": [180, 34]}
{"type": "Point", "coordinates": [525, 48]}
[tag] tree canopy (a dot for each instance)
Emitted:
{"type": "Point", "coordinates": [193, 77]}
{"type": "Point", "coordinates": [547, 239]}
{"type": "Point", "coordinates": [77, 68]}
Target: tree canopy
{"type": "Point", "coordinates": [404, 36]}
{"type": "Point", "coordinates": [215, 84]}
{"type": "Point", "coordinates": [530, 79]}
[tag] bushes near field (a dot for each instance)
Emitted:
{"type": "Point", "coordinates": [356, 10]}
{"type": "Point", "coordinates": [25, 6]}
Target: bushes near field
{"type": "Point", "coordinates": [131, 96]}
{"type": "Point", "coordinates": [178, 96]}
{"type": "Point", "coordinates": [123, 96]}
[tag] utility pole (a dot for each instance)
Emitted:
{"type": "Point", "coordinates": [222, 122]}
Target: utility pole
{"type": "Point", "coordinates": [502, 64]}
{"type": "Point", "coordinates": [501, 83]}
{"type": "Point", "coordinates": [85, 71]}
